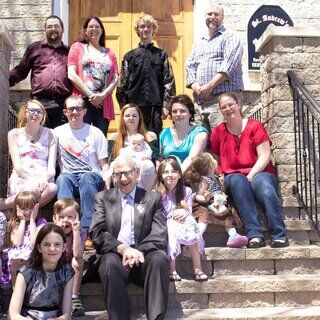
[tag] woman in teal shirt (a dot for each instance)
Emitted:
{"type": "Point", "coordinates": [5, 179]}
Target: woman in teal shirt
{"type": "Point", "coordinates": [183, 140]}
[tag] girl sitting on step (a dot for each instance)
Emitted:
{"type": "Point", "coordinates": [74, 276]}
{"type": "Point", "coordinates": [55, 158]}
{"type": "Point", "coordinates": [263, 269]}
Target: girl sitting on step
{"type": "Point", "coordinates": [205, 181]}
{"type": "Point", "coordinates": [182, 227]}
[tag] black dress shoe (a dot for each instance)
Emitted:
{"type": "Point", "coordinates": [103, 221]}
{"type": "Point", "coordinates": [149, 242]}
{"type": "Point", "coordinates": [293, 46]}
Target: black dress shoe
{"type": "Point", "coordinates": [281, 243]}
{"type": "Point", "coordinates": [256, 244]}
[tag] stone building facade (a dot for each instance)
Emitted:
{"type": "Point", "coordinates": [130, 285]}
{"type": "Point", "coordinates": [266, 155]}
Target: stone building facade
{"type": "Point", "coordinates": [6, 46]}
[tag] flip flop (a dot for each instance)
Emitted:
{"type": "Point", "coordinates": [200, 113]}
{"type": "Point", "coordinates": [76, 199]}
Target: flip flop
{"type": "Point", "coordinates": [200, 277]}
{"type": "Point", "coordinates": [173, 276]}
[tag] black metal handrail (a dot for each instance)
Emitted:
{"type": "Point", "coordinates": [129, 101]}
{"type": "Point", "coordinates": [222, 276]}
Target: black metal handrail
{"type": "Point", "coordinates": [307, 147]}
{"type": "Point", "coordinates": [254, 111]}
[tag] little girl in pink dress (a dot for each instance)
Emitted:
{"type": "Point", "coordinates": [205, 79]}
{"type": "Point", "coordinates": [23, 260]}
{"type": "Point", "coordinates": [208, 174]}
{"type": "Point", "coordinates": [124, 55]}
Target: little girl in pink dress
{"type": "Point", "coordinates": [182, 227]}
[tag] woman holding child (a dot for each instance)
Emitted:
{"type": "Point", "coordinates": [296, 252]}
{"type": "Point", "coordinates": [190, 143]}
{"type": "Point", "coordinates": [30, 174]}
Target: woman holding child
{"type": "Point", "coordinates": [131, 128]}
{"type": "Point", "coordinates": [242, 147]}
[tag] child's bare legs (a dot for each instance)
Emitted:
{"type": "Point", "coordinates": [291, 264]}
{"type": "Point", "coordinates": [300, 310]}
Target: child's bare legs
{"type": "Point", "coordinates": [14, 266]}
{"type": "Point", "coordinates": [78, 266]}
{"type": "Point", "coordinates": [202, 227]}
{"type": "Point", "coordinates": [77, 306]}
{"type": "Point", "coordinates": [173, 275]}
{"type": "Point", "coordinates": [196, 261]}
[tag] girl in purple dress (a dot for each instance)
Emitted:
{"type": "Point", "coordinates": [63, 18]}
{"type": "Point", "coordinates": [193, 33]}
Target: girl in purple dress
{"type": "Point", "coordinates": [23, 229]}
{"type": "Point", "coordinates": [182, 227]}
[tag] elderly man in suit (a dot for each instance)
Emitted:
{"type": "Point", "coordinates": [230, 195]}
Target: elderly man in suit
{"type": "Point", "coordinates": [130, 235]}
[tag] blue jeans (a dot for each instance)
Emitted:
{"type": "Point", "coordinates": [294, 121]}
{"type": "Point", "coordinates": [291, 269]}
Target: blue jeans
{"type": "Point", "coordinates": [264, 190]}
{"type": "Point", "coordinates": [85, 185]}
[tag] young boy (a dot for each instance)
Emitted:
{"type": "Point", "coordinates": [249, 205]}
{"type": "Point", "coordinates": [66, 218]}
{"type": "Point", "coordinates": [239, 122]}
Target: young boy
{"type": "Point", "coordinates": [65, 214]}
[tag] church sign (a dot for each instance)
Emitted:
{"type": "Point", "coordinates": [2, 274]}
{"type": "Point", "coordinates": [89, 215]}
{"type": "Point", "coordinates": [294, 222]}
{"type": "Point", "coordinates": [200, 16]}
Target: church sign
{"type": "Point", "coordinates": [257, 24]}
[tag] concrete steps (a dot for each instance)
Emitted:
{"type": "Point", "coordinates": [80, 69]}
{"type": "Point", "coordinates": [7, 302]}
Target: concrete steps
{"type": "Point", "coordinates": [299, 313]}
{"type": "Point", "coordinates": [300, 232]}
{"type": "Point", "coordinates": [225, 292]}
{"type": "Point", "coordinates": [263, 261]}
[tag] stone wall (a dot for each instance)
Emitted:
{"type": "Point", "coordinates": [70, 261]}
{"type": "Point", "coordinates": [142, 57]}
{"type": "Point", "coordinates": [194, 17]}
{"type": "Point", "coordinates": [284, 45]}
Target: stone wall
{"type": "Point", "coordinates": [25, 21]}
{"type": "Point", "coordinates": [282, 49]}
{"type": "Point", "coordinates": [6, 46]}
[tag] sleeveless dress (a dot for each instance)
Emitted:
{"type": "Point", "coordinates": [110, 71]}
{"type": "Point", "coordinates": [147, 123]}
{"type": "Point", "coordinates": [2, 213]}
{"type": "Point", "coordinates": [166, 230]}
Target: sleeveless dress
{"type": "Point", "coordinates": [44, 292]}
{"type": "Point", "coordinates": [186, 232]}
{"type": "Point", "coordinates": [24, 250]}
{"type": "Point", "coordinates": [34, 160]}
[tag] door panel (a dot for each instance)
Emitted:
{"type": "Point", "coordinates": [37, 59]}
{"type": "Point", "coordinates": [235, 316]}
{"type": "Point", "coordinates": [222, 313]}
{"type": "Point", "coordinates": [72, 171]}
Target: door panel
{"type": "Point", "coordinates": [175, 35]}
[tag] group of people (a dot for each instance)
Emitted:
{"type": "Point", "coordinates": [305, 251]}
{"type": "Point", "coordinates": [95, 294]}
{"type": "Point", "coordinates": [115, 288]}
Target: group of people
{"type": "Point", "coordinates": [147, 193]}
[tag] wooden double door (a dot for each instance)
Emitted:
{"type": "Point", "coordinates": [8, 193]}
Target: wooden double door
{"type": "Point", "coordinates": [175, 35]}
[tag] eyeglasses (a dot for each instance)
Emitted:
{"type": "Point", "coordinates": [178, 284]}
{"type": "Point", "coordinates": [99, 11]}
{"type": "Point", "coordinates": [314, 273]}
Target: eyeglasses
{"type": "Point", "coordinates": [229, 106]}
{"type": "Point", "coordinates": [34, 111]}
{"type": "Point", "coordinates": [77, 108]}
{"type": "Point", "coordinates": [119, 174]}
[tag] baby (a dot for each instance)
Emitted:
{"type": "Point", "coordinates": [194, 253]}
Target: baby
{"type": "Point", "coordinates": [140, 149]}
{"type": "Point", "coordinates": [65, 215]}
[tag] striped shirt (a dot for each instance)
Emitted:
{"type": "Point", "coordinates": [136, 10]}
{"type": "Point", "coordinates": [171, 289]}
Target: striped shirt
{"type": "Point", "coordinates": [210, 55]}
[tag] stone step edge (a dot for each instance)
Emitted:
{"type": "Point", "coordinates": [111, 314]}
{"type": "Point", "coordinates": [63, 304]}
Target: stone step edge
{"type": "Point", "coordinates": [291, 225]}
{"type": "Point", "coordinates": [266, 253]}
{"type": "Point", "coordinates": [263, 313]}
{"type": "Point", "coordinates": [240, 284]}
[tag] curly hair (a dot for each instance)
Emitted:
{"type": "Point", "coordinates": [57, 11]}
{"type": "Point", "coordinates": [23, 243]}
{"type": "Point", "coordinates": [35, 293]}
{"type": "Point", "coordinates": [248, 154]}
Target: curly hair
{"type": "Point", "coordinates": [200, 166]}
{"type": "Point", "coordinates": [148, 20]}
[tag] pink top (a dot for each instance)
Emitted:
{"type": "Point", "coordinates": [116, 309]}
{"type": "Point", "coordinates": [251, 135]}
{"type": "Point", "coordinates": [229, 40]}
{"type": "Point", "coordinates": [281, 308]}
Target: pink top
{"type": "Point", "coordinates": [239, 154]}
{"type": "Point", "coordinates": [75, 57]}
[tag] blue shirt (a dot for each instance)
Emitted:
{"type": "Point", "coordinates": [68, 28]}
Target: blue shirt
{"type": "Point", "coordinates": [211, 55]}
{"type": "Point", "coordinates": [169, 147]}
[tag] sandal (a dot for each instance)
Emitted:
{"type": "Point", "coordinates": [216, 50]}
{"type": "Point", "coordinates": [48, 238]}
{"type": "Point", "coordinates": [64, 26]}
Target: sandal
{"type": "Point", "coordinates": [173, 276]}
{"type": "Point", "coordinates": [200, 277]}
{"type": "Point", "coordinates": [255, 243]}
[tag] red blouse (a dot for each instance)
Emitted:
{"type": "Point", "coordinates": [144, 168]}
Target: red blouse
{"type": "Point", "coordinates": [239, 154]}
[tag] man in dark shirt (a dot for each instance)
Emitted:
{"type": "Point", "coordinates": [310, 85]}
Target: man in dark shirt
{"type": "Point", "coordinates": [146, 76]}
{"type": "Point", "coordinates": [47, 60]}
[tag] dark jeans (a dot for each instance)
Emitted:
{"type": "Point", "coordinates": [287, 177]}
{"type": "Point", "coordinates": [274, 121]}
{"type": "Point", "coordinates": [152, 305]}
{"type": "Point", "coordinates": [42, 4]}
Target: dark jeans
{"type": "Point", "coordinates": [152, 117]}
{"type": "Point", "coordinates": [263, 189]}
{"type": "Point", "coordinates": [54, 108]}
{"type": "Point", "coordinates": [94, 116]}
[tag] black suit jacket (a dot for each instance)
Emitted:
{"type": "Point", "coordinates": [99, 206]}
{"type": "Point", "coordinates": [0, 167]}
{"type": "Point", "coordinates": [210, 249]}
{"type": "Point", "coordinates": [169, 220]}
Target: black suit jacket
{"type": "Point", "coordinates": [150, 228]}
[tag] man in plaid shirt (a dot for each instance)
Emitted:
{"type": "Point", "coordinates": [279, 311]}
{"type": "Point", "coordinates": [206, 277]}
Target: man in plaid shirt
{"type": "Point", "coordinates": [214, 67]}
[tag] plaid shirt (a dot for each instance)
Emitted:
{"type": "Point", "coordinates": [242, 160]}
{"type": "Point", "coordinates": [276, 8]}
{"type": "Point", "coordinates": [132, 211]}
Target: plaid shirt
{"type": "Point", "coordinates": [210, 55]}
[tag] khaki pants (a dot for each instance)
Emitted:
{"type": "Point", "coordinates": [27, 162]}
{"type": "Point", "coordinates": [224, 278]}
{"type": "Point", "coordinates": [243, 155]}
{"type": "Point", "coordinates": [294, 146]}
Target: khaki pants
{"type": "Point", "coordinates": [208, 114]}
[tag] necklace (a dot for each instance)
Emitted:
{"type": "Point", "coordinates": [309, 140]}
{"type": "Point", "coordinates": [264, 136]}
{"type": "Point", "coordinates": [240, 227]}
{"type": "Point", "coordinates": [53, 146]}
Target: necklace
{"type": "Point", "coordinates": [237, 131]}
{"type": "Point", "coordinates": [34, 138]}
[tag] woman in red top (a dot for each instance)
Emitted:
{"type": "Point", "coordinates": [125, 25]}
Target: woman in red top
{"type": "Point", "coordinates": [243, 149]}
